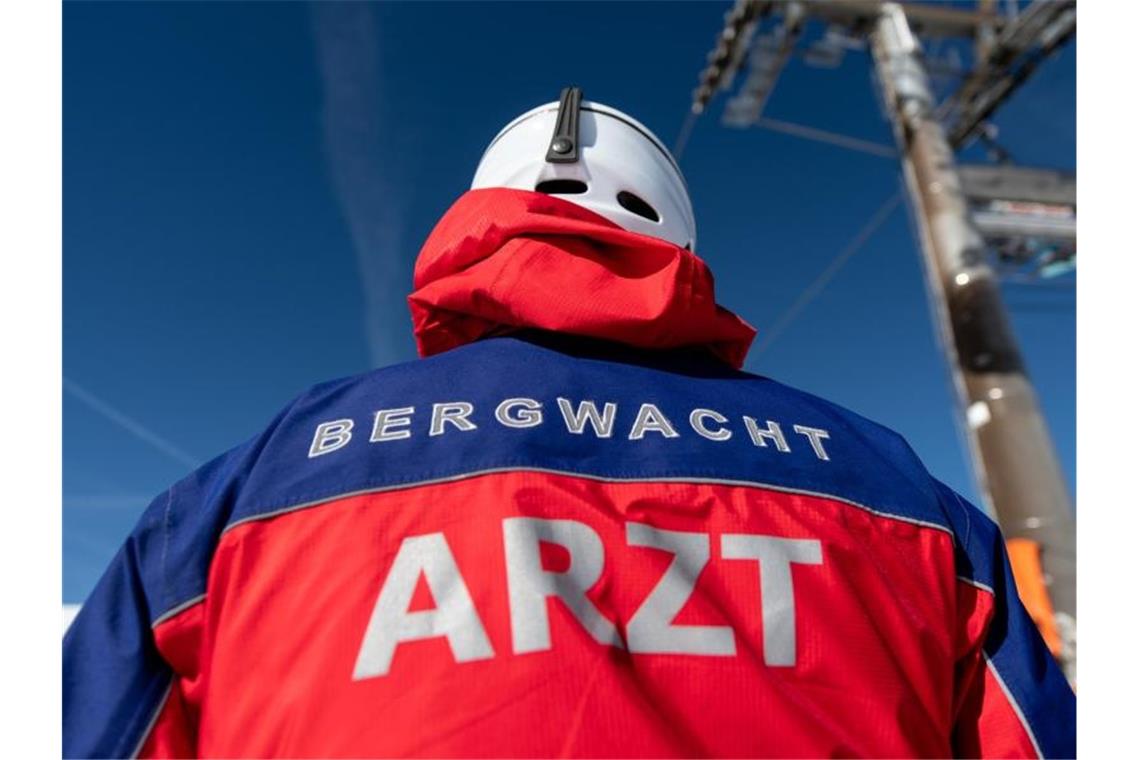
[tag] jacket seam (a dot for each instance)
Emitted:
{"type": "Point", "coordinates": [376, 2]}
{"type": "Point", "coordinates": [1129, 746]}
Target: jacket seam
{"type": "Point", "coordinates": [154, 718]}
{"type": "Point", "coordinates": [271, 512]}
{"type": "Point", "coordinates": [177, 609]}
{"type": "Point", "coordinates": [1013, 703]}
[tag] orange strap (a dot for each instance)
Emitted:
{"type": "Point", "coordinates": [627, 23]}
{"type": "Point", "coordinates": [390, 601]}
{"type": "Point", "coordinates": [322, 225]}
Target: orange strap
{"type": "Point", "coordinates": [1025, 558]}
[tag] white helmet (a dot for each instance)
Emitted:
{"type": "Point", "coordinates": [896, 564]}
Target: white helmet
{"type": "Point", "coordinates": [597, 157]}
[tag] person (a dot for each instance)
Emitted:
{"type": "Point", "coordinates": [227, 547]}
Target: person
{"type": "Point", "coordinates": [575, 527]}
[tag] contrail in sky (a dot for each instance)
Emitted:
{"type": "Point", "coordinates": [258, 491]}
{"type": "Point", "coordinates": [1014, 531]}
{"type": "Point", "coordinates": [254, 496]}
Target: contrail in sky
{"type": "Point", "coordinates": [349, 62]}
{"type": "Point", "coordinates": [135, 428]}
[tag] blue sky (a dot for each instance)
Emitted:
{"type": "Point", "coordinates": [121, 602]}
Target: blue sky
{"type": "Point", "coordinates": [246, 187]}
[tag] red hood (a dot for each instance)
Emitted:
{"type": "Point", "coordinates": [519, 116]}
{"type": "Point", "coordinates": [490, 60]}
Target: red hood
{"type": "Point", "coordinates": [501, 259]}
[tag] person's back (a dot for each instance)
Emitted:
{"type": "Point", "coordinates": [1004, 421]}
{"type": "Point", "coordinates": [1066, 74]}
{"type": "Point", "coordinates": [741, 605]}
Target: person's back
{"type": "Point", "coordinates": [585, 537]}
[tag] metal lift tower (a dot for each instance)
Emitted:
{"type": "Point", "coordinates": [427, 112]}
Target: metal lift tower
{"type": "Point", "coordinates": [970, 221]}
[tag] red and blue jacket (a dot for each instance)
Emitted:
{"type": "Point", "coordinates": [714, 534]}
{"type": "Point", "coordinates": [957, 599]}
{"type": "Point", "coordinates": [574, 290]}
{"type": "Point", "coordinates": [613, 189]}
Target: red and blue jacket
{"type": "Point", "coordinates": [560, 541]}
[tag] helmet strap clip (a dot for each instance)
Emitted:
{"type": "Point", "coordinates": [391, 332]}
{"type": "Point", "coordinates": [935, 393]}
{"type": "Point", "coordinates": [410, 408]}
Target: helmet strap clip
{"type": "Point", "coordinates": [563, 147]}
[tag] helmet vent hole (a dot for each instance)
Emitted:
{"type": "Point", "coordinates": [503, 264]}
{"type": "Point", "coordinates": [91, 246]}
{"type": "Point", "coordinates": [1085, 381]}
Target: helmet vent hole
{"type": "Point", "coordinates": [561, 187]}
{"type": "Point", "coordinates": [635, 205]}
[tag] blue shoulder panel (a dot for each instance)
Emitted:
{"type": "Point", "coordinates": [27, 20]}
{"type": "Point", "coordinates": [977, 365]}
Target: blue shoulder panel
{"type": "Point", "coordinates": [1014, 649]}
{"type": "Point", "coordinates": [114, 680]}
{"type": "Point", "coordinates": [754, 429]}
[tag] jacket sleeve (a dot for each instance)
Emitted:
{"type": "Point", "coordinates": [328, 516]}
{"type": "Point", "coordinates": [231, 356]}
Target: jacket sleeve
{"type": "Point", "coordinates": [131, 656]}
{"type": "Point", "coordinates": [1011, 699]}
